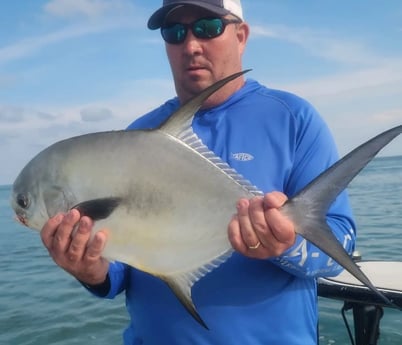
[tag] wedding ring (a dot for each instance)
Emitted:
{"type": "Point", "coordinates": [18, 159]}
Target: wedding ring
{"type": "Point", "coordinates": [255, 246]}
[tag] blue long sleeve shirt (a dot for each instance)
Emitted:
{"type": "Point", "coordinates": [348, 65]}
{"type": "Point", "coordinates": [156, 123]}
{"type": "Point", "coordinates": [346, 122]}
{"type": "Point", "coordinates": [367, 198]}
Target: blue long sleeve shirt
{"type": "Point", "coordinates": [279, 142]}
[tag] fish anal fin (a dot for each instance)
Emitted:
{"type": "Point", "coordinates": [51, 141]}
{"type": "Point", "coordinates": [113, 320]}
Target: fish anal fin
{"type": "Point", "coordinates": [181, 287]}
{"type": "Point", "coordinates": [181, 283]}
{"type": "Point", "coordinates": [98, 209]}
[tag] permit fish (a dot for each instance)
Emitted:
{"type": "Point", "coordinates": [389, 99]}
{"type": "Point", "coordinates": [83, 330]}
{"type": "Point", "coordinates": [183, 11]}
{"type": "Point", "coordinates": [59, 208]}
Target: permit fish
{"type": "Point", "coordinates": [158, 190]}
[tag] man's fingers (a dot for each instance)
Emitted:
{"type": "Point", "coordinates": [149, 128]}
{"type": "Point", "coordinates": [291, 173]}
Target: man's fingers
{"type": "Point", "coordinates": [49, 229]}
{"type": "Point", "coordinates": [259, 230]}
{"type": "Point", "coordinates": [282, 228]}
{"type": "Point", "coordinates": [68, 240]}
{"type": "Point", "coordinates": [235, 237]}
{"type": "Point", "coordinates": [62, 238]}
{"type": "Point", "coordinates": [95, 248]}
{"type": "Point", "coordinates": [250, 238]}
{"type": "Point", "coordinates": [80, 239]}
{"type": "Point", "coordinates": [274, 200]}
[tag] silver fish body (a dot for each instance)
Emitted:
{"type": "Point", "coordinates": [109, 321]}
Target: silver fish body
{"type": "Point", "coordinates": [167, 200]}
{"type": "Point", "coordinates": [173, 206]}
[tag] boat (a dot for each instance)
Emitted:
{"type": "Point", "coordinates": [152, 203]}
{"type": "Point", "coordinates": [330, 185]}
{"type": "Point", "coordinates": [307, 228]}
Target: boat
{"type": "Point", "coordinates": [366, 306]}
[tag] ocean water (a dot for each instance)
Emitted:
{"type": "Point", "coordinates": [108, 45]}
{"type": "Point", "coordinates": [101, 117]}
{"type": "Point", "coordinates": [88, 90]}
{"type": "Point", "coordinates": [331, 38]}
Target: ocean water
{"type": "Point", "coordinates": [40, 304]}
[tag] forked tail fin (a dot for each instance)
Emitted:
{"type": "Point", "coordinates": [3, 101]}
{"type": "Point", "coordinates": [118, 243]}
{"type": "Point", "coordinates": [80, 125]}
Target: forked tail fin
{"type": "Point", "coordinates": [309, 207]}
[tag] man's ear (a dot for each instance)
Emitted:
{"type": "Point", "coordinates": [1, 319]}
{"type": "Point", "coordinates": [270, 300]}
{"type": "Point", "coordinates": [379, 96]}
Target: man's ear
{"type": "Point", "coordinates": [243, 32]}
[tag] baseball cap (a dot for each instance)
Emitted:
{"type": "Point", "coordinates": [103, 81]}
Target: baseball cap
{"type": "Point", "coordinates": [219, 7]}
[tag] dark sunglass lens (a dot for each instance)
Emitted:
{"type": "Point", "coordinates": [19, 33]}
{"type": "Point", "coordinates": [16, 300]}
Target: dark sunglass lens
{"type": "Point", "coordinates": [174, 34]}
{"type": "Point", "coordinates": [208, 28]}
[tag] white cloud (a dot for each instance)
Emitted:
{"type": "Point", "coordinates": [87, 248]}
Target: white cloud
{"type": "Point", "coordinates": [30, 46]}
{"type": "Point", "coordinates": [27, 130]}
{"type": "Point", "coordinates": [357, 105]}
{"type": "Point", "coordinates": [320, 44]}
{"type": "Point", "coordinates": [11, 114]}
{"type": "Point", "coordinates": [363, 78]}
{"type": "Point", "coordinates": [7, 80]}
{"type": "Point", "coordinates": [91, 9]}
{"type": "Point", "coordinates": [359, 98]}
{"type": "Point", "coordinates": [104, 15]}
{"type": "Point", "coordinates": [17, 114]}
{"type": "Point", "coordinates": [392, 116]}
{"type": "Point", "coordinates": [94, 114]}
{"type": "Point", "coordinates": [88, 8]}
{"type": "Point", "coordinates": [358, 80]}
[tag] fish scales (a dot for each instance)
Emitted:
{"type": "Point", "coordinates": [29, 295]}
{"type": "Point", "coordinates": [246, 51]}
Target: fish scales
{"type": "Point", "coordinates": [153, 228]}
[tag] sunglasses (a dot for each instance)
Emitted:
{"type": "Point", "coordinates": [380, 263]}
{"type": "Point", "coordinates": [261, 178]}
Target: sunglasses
{"type": "Point", "coordinates": [205, 28]}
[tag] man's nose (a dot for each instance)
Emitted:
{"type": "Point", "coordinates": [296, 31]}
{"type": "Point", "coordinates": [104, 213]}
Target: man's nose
{"type": "Point", "coordinates": [192, 45]}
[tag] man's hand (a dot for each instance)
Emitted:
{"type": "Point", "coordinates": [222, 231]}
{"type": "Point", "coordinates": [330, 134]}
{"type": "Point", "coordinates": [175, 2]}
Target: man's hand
{"type": "Point", "coordinates": [259, 230]}
{"type": "Point", "coordinates": [67, 238]}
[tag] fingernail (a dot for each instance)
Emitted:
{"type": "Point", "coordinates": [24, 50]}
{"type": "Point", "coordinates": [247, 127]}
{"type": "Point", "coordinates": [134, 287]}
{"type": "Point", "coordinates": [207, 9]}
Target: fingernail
{"type": "Point", "coordinates": [242, 204]}
{"type": "Point", "coordinates": [59, 217]}
{"type": "Point", "coordinates": [84, 223]}
{"type": "Point", "coordinates": [69, 215]}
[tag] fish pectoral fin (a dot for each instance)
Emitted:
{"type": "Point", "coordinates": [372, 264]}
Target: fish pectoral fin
{"type": "Point", "coordinates": [57, 200]}
{"type": "Point", "coordinates": [97, 209]}
{"type": "Point", "coordinates": [181, 287]}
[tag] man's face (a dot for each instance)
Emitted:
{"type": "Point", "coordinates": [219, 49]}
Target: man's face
{"type": "Point", "coordinates": [198, 63]}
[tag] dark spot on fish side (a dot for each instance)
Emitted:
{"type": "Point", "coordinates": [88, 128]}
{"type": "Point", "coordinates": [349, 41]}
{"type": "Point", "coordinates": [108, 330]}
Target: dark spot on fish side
{"type": "Point", "coordinates": [98, 209]}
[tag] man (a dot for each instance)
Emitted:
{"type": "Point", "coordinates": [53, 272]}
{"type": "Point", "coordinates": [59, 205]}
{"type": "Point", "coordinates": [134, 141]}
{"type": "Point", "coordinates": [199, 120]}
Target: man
{"type": "Point", "coordinates": [266, 292]}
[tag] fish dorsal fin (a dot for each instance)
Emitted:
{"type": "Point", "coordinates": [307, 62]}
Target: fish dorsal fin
{"type": "Point", "coordinates": [181, 119]}
{"type": "Point", "coordinates": [178, 125]}
{"type": "Point", "coordinates": [181, 284]}
{"type": "Point", "coordinates": [190, 139]}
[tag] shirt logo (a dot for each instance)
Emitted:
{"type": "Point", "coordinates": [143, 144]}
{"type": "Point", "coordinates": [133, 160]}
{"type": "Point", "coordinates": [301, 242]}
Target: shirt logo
{"type": "Point", "coordinates": [242, 157]}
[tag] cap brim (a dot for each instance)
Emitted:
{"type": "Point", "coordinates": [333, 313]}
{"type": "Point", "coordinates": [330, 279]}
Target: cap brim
{"type": "Point", "coordinates": [158, 17]}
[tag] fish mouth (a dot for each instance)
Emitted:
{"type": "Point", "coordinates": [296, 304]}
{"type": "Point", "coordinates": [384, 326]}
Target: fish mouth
{"type": "Point", "coordinates": [21, 219]}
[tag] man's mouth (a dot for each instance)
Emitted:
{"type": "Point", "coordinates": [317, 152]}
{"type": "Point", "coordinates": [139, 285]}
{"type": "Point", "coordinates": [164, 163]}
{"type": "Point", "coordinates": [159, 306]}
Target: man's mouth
{"type": "Point", "coordinates": [195, 68]}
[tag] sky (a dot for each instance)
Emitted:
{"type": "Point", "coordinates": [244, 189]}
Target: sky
{"type": "Point", "coordinates": [69, 67]}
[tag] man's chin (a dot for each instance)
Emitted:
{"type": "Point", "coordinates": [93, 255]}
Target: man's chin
{"type": "Point", "coordinates": [196, 85]}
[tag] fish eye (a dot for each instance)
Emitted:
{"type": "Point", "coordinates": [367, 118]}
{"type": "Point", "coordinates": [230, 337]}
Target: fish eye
{"type": "Point", "coordinates": [22, 201]}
